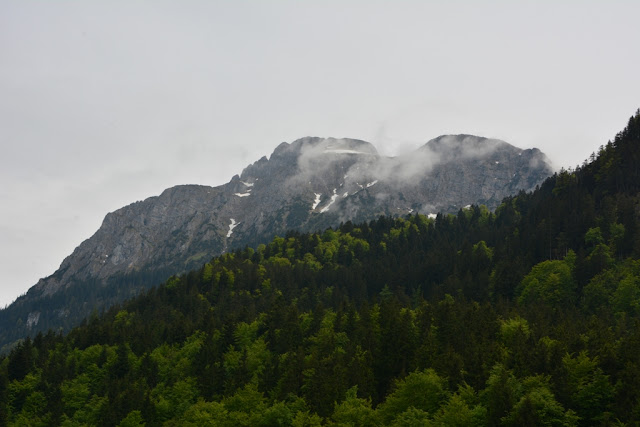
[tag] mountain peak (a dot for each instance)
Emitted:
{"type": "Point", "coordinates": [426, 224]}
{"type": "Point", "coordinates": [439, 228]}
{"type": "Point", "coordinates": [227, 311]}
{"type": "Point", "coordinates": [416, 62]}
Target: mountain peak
{"type": "Point", "coordinates": [309, 184]}
{"type": "Point", "coordinates": [462, 141]}
{"type": "Point", "coordinates": [466, 147]}
{"type": "Point", "coordinates": [318, 145]}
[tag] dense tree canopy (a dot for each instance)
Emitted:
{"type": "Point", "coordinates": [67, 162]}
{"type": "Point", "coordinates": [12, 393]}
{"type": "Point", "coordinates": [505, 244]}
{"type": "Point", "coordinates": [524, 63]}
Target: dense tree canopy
{"type": "Point", "coordinates": [526, 316]}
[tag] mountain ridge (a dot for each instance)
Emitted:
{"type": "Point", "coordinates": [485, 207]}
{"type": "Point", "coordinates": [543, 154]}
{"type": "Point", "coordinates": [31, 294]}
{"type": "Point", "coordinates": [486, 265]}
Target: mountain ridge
{"type": "Point", "coordinates": [528, 315]}
{"type": "Point", "coordinates": [309, 184]}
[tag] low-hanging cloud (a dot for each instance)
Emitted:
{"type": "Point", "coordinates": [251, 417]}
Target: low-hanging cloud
{"type": "Point", "coordinates": [345, 177]}
{"type": "Point", "coordinates": [317, 157]}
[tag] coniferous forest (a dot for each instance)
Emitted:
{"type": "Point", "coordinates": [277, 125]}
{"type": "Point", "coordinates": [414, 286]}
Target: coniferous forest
{"type": "Point", "coordinates": [526, 316]}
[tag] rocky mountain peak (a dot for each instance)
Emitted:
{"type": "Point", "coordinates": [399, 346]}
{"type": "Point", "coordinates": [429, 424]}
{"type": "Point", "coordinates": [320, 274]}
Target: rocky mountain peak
{"type": "Point", "coordinates": [309, 184]}
{"type": "Point", "coordinates": [466, 146]}
{"type": "Point", "coordinates": [326, 146]}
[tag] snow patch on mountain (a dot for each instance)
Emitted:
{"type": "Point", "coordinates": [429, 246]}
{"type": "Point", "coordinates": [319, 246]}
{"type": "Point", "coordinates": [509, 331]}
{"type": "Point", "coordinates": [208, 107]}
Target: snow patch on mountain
{"type": "Point", "coordinates": [345, 152]}
{"type": "Point", "coordinates": [331, 202]}
{"type": "Point", "coordinates": [232, 225]}
{"type": "Point", "coordinates": [316, 202]}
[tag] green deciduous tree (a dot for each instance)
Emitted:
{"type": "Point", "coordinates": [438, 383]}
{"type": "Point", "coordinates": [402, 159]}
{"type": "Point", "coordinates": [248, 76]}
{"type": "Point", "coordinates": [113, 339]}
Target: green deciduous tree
{"type": "Point", "coordinates": [424, 390]}
{"type": "Point", "coordinates": [551, 282]}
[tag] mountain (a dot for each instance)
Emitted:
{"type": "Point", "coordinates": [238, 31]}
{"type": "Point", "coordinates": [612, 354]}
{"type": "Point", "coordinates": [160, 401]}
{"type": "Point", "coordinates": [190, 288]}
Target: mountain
{"type": "Point", "coordinates": [310, 184]}
{"type": "Point", "coordinates": [526, 316]}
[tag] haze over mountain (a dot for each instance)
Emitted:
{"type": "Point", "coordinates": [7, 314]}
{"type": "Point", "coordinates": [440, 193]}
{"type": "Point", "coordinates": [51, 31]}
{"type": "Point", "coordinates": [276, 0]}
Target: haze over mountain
{"type": "Point", "coordinates": [309, 184]}
{"type": "Point", "coordinates": [526, 316]}
{"type": "Point", "coordinates": [106, 103]}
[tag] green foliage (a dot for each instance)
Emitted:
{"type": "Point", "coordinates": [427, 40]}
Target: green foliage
{"type": "Point", "coordinates": [400, 321]}
{"type": "Point", "coordinates": [423, 390]}
{"type": "Point", "coordinates": [305, 419]}
{"type": "Point", "coordinates": [457, 412]}
{"type": "Point", "coordinates": [616, 289]}
{"type": "Point", "coordinates": [205, 414]}
{"type": "Point", "coordinates": [626, 297]}
{"type": "Point", "coordinates": [481, 250]}
{"type": "Point", "coordinates": [501, 394]}
{"type": "Point", "coordinates": [538, 407]}
{"type": "Point", "coordinates": [514, 330]}
{"type": "Point", "coordinates": [353, 411]}
{"type": "Point", "coordinates": [593, 237]}
{"type": "Point", "coordinates": [550, 282]}
{"type": "Point", "coordinates": [133, 419]}
{"type": "Point", "coordinates": [207, 273]}
{"type": "Point", "coordinates": [589, 389]}
{"type": "Point", "coordinates": [412, 417]}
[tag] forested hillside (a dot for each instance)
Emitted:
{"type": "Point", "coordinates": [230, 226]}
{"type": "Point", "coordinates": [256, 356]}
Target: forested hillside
{"type": "Point", "coordinates": [308, 185]}
{"type": "Point", "coordinates": [526, 316]}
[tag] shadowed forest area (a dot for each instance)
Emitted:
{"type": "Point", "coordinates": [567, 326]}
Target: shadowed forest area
{"type": "Point", "coordinates": [529, 315]}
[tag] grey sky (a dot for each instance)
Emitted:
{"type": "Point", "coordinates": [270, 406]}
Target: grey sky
{"type": "Point", "coordinates": [106, 103]}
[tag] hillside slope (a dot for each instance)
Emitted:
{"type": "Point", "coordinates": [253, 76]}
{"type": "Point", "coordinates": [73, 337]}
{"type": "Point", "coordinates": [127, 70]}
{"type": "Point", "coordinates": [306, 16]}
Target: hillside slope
{"type": "Point", "coordinates": [310, 184]}
{"type": "Point", "coordinates": [526, 316]}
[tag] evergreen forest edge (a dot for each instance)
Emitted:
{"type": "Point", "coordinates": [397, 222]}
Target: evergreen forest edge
{"type": "Point", "coordinates": [526, 316]}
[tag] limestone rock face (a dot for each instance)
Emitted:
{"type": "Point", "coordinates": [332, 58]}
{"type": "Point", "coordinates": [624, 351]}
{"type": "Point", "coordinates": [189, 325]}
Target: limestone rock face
{"type": "Point", "coordinates": [308, 185]}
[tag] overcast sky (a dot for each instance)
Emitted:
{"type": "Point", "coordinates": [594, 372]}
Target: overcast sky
{"type": "Point", "coordinates": [106, 103]}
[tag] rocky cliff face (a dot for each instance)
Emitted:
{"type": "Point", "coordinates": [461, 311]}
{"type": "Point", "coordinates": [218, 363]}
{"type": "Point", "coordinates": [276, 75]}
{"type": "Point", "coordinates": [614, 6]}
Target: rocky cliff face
{"type": "Point", "coordinates": [310, 184]}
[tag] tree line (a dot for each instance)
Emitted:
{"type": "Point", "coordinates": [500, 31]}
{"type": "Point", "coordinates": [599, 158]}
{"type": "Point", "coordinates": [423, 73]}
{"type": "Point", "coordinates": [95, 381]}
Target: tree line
{"type": "Point", "coordinates": [529, 315]}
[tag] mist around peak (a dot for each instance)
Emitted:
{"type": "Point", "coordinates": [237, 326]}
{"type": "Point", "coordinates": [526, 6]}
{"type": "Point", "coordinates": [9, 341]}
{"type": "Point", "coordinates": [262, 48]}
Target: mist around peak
{"type": "Point", "coordinates": [361, 163]}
